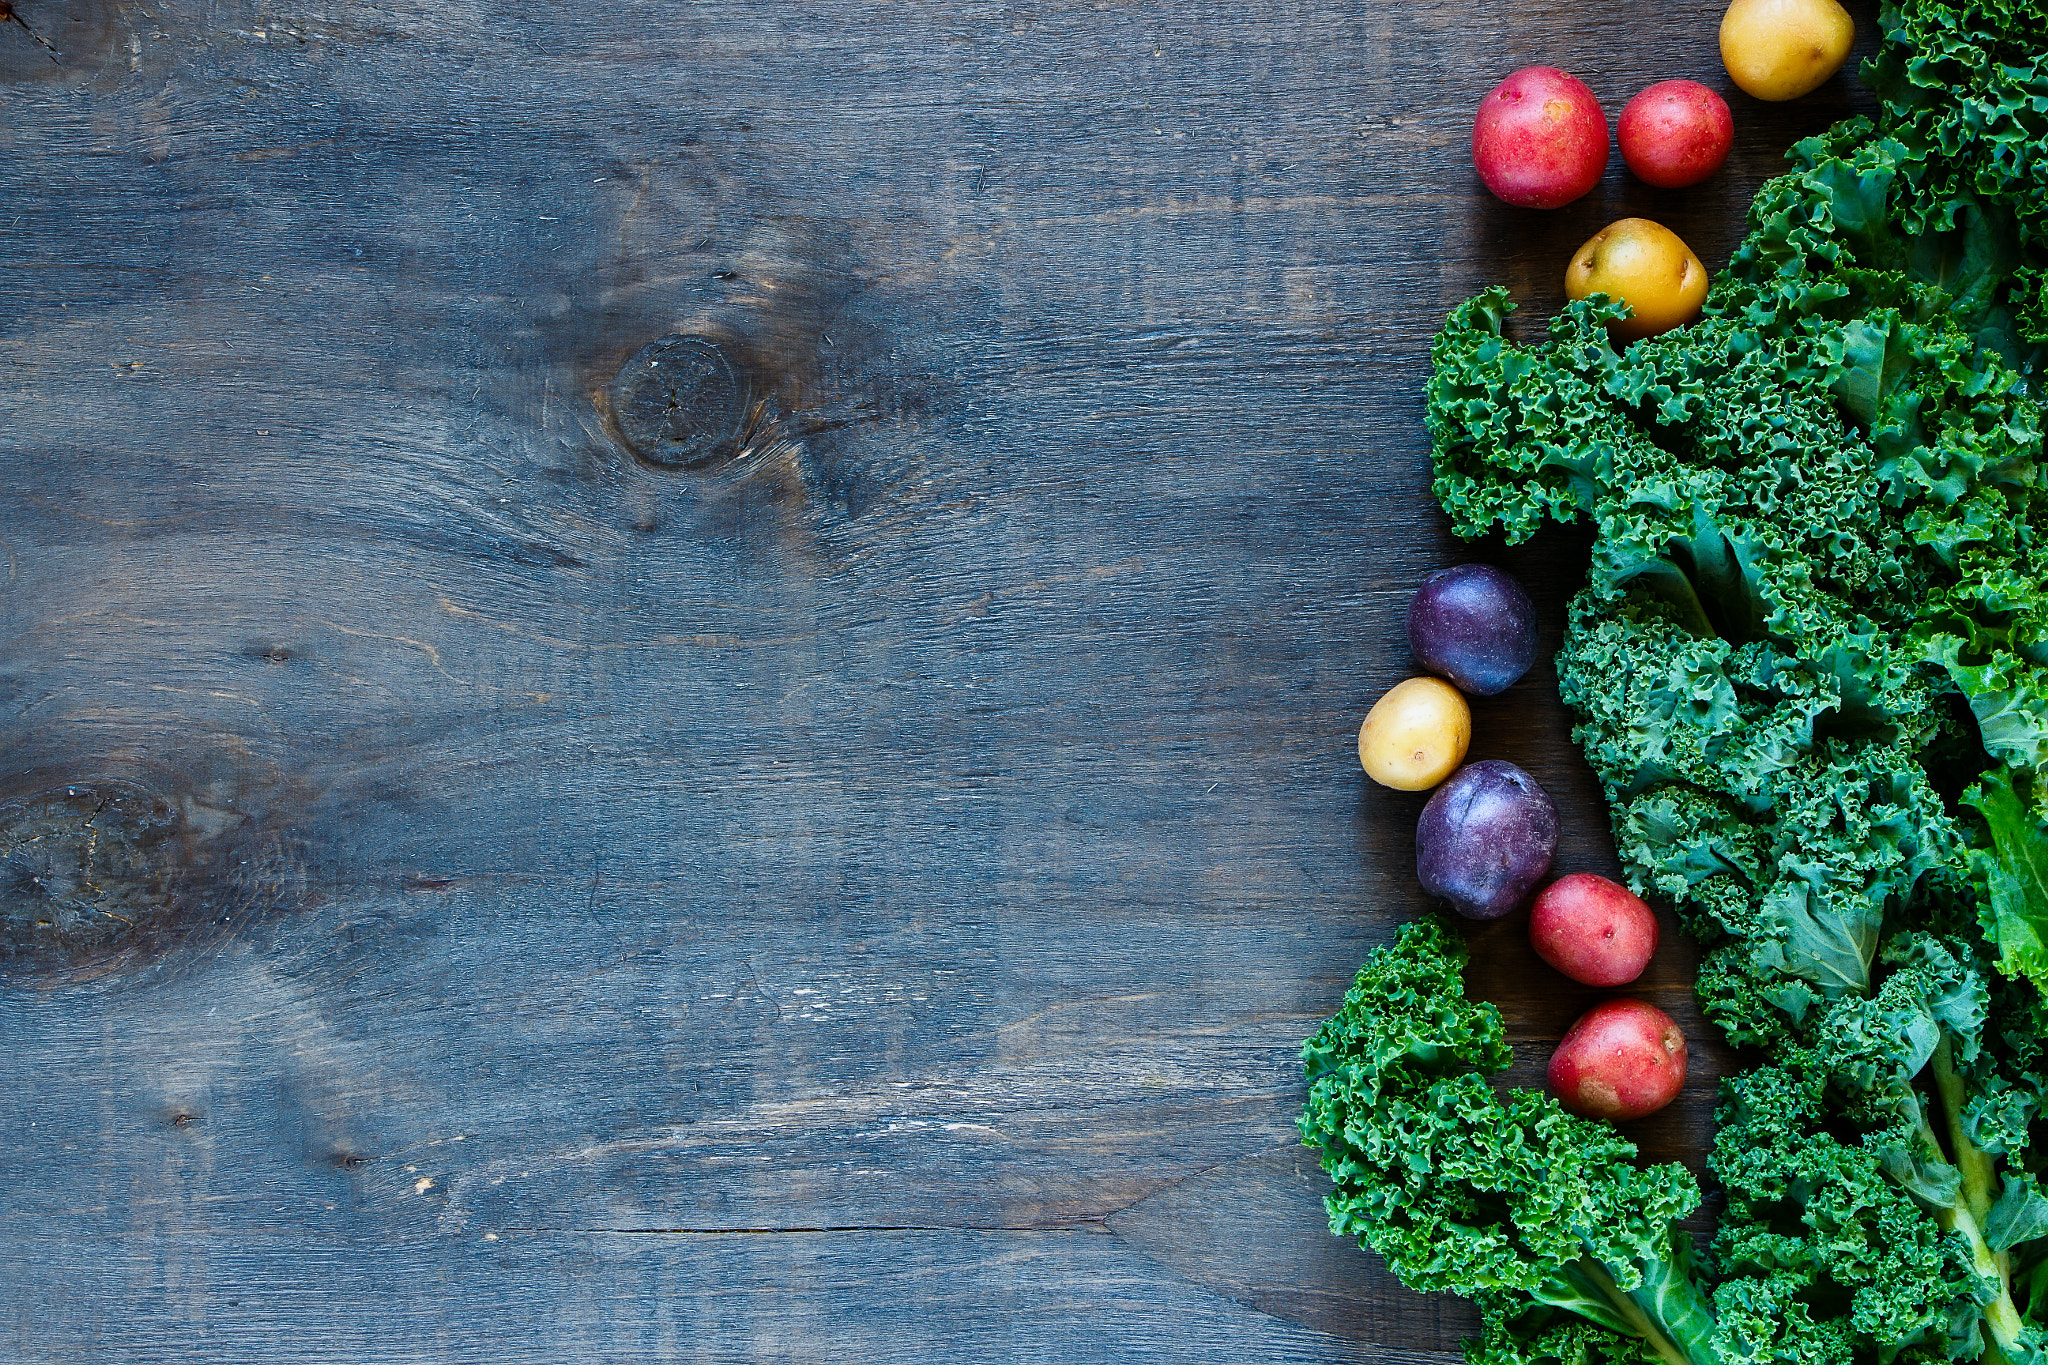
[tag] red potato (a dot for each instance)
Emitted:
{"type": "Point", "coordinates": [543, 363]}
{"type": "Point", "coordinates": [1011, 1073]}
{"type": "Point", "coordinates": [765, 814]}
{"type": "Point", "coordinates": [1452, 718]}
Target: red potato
{"type": "Point", "coordinates": [1622, 1060]}
{"type": "Point", "coordinates": [1593, 930]}
{"type": "Point", "coordinates": [1675, 133]}
{"type": "Point", "coordinates": [1540, 140]}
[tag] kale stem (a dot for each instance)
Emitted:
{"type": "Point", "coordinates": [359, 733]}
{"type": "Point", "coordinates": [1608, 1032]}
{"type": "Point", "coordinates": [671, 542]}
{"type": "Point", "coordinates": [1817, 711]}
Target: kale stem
{"type": "Point", "coordinates": [1632, 1312]}
{"type": "Point", "coordinates": [1973, 1205]}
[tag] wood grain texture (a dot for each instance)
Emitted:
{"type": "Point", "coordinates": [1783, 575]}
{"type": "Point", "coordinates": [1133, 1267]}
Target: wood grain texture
{"type": "Point", "coordinates": [858, 901]}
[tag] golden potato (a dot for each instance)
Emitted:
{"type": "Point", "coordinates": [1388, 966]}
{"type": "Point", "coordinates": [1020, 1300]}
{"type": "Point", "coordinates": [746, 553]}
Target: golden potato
{"type": "Point", "coordinates": [1415, 735]}
{"type": "Point", "coordinates": [1781, 49]}
{"type": "Point", "coordinates": [1648, 267]}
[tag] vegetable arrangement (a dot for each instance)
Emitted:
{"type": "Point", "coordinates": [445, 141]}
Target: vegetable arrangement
{"type": "Point", "coordinates": [1811, 666]}
{"type": "Point", "coordinates": [1489, 832]}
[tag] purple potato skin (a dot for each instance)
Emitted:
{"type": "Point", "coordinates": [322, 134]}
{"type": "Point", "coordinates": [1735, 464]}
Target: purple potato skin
{"type": "Point", "coordinates": [1474, 625]}
{"type": "Point", "coordinates": [1485, 839]}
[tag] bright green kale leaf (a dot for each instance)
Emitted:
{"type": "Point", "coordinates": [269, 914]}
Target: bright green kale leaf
{"type": "Point", "coordinates": [2014, 870]}
{"type": "Point", "coordinates": [1965, 88]}
{"type": "Point", "coordinates": [1540, 1216]}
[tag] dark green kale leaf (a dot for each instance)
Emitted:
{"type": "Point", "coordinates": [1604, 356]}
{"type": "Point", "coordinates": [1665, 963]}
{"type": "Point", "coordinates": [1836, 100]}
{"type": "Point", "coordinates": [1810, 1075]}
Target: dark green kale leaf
{"type": "Point", "coordinates": [1825, 1258]}
{"type": "Point", "coordinates": [1965, 90]}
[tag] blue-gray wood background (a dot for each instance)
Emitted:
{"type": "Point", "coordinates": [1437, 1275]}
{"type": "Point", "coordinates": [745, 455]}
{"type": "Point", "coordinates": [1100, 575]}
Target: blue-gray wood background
{"type": "Point", "coordinates": [470, 895]}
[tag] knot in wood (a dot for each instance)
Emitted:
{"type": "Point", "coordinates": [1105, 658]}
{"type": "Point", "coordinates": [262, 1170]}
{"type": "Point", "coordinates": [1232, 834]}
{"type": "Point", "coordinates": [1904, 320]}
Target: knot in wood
{"type": "Point", "coordinates": [679, 403]}
{"type": "Point", "coordinates": [85, 871]}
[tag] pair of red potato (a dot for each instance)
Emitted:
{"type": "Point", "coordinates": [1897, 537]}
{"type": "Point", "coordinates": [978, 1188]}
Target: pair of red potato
{"type": "Point", "coordinates": [1540, 139]}
{"type": "Point", "coordinates": [1624, 1058]}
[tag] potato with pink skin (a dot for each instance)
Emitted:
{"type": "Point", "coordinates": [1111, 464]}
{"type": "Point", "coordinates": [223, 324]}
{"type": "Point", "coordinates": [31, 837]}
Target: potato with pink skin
{"type": "Point", "coordinates": [1675, 133]}
{"type": "Point", "coordinates": [1540, 139]}
{"type": "Point", "coordinates": [1595, 931]}
{"type": "Point", "coordinates": [1622, 1060]}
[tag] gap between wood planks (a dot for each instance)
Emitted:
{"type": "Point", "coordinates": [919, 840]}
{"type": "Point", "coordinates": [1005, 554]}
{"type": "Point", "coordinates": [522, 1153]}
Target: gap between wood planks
{"type": "Point", "coordinates": [1094, 1225]}
{"type": "Point", "coordinates": [1091, 1226]}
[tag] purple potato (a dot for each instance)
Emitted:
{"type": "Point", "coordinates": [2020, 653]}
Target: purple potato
{"type": "Point", "coordinates": [1485, 839]}
{"type": "Point", "coordinates": [1474, 625]}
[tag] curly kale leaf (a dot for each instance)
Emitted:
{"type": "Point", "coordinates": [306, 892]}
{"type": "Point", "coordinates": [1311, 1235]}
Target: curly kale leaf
{"type": "Point", "coordinates": [2014, 872]}
{"type": "Point", "coordinates": [1965, 91]}
{"type": "Point", "coordinates": [1825, 1260]}
{"type": "Point", "coordinates": [1778, 807]}
{"type": "Point", "coordinates": [1504, 1198]}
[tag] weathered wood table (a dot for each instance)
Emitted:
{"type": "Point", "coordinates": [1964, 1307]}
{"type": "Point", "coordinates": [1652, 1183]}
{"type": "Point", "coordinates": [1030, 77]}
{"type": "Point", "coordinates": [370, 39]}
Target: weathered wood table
{"type": "Point", "coordinates": [851, 888]}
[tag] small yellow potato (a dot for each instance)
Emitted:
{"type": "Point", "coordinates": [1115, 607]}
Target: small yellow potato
{"type": "Point", "coordinates": [1415, 735]}
{"type": "Point", "coordinates": [1647, 266]}
{"type": "Point", "coordinates": [1782, 49]}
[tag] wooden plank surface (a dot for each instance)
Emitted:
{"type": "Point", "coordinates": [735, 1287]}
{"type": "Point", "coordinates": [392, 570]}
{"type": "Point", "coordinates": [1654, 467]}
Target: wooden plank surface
{"type": "Point", "coordinates": [858, 900]}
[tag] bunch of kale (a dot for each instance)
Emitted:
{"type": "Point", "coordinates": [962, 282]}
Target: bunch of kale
{"type": "Point", "coordinates": [1811, 662]}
